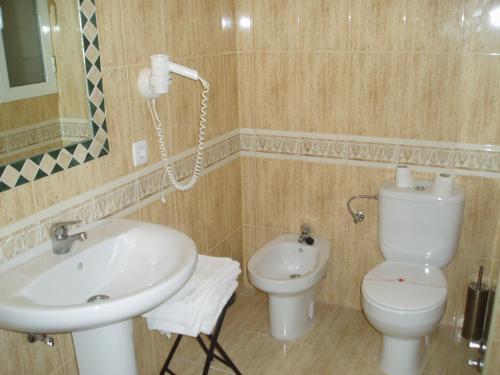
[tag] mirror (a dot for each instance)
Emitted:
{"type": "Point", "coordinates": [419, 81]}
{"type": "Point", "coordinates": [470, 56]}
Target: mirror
{"type": "Point", "coordinates": [52, 114]}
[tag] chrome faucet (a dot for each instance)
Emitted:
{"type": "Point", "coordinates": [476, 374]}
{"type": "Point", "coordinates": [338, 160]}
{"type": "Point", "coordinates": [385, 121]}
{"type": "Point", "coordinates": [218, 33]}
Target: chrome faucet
{"type": "Point", "coordinates": [61, 240]}
{"type": "Point", "coordinates": [306, 231]}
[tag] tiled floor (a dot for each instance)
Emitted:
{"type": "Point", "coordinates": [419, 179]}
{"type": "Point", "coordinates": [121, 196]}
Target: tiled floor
{"type": "Point", "coordinates": [341, 342]}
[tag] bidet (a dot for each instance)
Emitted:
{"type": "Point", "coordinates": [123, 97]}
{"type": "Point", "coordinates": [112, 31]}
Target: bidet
{"type": "Point", "coordinates": [289, 271]}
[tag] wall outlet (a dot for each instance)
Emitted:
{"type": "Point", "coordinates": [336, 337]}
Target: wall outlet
{"type": "Point", "coordinates": [140, 152]}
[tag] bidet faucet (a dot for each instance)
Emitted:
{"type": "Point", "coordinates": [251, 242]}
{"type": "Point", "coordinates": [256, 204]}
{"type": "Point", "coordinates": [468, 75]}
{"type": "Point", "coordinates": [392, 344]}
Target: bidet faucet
{"type": "Point", "coordinates": [306, 231]}
{"type": "Point", "coordinates": [61, 240]}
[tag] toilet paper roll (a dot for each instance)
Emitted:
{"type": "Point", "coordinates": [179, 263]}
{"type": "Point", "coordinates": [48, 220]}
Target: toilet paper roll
{"type": "Point", "coordinates": [404, 177]}
{"type": "Point", "coordinates": [442, 185]}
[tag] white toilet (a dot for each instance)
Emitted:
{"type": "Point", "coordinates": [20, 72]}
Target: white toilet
{"type": "Point", "coordinates": [404, 297]}
{"type": "Point", "coordinates": [289, 271]}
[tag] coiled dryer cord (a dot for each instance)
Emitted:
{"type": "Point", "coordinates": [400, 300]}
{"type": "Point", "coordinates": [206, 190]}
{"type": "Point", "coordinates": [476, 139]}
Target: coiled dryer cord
{"type": "Point", "coordinates": [198, 161]}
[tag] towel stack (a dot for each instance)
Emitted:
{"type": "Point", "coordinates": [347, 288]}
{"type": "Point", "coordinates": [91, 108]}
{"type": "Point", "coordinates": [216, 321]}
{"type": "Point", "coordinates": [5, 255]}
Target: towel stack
{"type": "Point", "coordinates": [197, 306]}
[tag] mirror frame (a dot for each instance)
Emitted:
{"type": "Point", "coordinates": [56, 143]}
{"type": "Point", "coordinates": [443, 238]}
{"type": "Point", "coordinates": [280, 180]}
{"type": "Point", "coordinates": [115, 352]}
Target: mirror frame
{"type": "Point", "coordinates": [38, 166]}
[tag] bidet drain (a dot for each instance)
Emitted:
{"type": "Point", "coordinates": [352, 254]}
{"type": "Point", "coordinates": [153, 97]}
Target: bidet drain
{"type": "Point", "coordinates": [294, 276]}
{"type": "Point", "coordinates": [98, 297]}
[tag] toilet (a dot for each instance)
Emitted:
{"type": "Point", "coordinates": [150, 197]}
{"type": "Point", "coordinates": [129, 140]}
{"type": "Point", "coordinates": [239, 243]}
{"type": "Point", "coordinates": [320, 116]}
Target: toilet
{"type": "Point", "coordinates": [288, 271]}
{"type": "Point", "coordinates": [404, 297]}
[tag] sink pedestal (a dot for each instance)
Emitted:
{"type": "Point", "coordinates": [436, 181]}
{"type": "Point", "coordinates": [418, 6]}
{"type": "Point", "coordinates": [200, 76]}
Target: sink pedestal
{"type": "Point", "coordinates": [106, 350]}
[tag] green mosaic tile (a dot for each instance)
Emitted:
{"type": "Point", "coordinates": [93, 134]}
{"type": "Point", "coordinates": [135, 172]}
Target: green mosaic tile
{"type": "Point", "coordinates": [4, 187]}
{"type": "Point", "coordinates": [40, 174]}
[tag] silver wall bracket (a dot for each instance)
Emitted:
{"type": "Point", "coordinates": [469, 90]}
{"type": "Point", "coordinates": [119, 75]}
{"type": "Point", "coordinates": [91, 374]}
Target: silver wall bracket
{"type": "Point", "coordinates": [358, 216]}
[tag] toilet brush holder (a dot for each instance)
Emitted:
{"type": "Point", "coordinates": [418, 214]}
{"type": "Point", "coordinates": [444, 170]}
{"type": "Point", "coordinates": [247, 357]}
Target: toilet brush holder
{"type": "Point", "coordinates": [475, 309]}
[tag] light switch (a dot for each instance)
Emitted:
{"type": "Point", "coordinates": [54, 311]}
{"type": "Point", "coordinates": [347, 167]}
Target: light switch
{"type": "Point", "coordinates": [140, 152]}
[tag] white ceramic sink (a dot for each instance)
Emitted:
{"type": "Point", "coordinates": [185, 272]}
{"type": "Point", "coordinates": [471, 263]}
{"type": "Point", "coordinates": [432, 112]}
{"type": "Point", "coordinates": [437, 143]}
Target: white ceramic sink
{"type": "Point", "coordinates": [138, 265]}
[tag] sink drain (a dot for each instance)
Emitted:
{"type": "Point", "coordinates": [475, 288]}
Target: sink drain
{"type": "Point", "coordinates": [97, 298]}
{"type": "Point", "coordinates": [294, 276]}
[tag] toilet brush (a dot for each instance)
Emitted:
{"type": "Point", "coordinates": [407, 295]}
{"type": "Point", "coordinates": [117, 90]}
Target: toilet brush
{"type": "Point", "coordinates": [475, 309]}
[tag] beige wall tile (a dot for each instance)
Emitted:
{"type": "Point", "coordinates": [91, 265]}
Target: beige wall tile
{"type": "Point", "coordinates": [275, 25]}
{"type": "Point", "coordinates": [231, 91]}
{"type": "Point", "coordinates": [236, 246]}
{"type": "Point", "coordinates": [71, 85]}
{"type": "Point", "coordinates": [162, 346]}
{"type": "Point", "coordinates": [16, 204]}
{"type": "Point", "coordinates": [244, 25]}
{"type": "Point", "coordinates": [229, 24]}
{"type": "Point", "coordinates": [434, 25]}
{"type": "Point", "coordinates": [481, 216]}
{"type": "Point", "coordinates": [431, 95]}
{"type": "Point", "coordinates": [319, 188]}
{"type": "Point", "coordinates": [223, 197]}
{"type": "Point", "coordinates": [65, 347]}
{"type": "Point", "coordinates": [324, 92]}
{"type": "Point", "coordinates": [191, 215]}
{"type": "Point", "coordinates": [69, 368]}
{"type": "Point", "coordinates": [324, 25]}
{"type": "Point", "coordinates": [119, 162]}
{"type": "Point", "coordinates": [377, 25]}
{"type": "Point", "coordinates": [223, 249]}
{"type": "Point", "coordinates": [375, 94]}
{"type": "Point", "coordinates": [179, 28]}
{"type": "Point", "coordinates": [248, 190]}
{"type": "Point", "coordinates": [209, 33]}
{"type": "Point", "coordinates": [245, 90]}
{"type": "Point", "coordinates": [19, 357]}
{"type": "Point", "coordinates": [249, 239]}
{"type": "Point", "coordinates": [482, 33]}
{"type": "Point", "coordinates": [61, 186]}
{"type": "Point", "coordinates": [184, 110]}
{"type": "Point", "coordinates": [110, 25]}
{"type": "Point", "coordinates": [480, 107]}
{"type": "Point", "coordinates": [275, 90]}
{"type": "Point", "coordinates": [493, 367]}
{"type": "Point", "coordinates": [159, 213]}
{"type": "Point", "coordinates": [28, 111]}
{"type": "Point", "coordinates": [211, 68]}
{"type": "Point", "coordinates": [143, 30]}
{"type": "Point", "coordinates": [277, 205]}
{"type": "Point", "coordinates": [144, 347]}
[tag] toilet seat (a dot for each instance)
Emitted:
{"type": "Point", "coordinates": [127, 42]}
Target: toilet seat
{"type": "Point", "coordinates": [405, 286]}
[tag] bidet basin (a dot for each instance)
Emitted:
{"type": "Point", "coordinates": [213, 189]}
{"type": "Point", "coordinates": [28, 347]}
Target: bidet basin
{"type": "Point", "coordinates": [289, 272]}
{"type": "Point", "coordinates": [135, 265]}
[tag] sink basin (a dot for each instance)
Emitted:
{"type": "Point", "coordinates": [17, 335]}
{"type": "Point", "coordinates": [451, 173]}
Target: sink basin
{"type": "Point", "coordinates": [137, 265]}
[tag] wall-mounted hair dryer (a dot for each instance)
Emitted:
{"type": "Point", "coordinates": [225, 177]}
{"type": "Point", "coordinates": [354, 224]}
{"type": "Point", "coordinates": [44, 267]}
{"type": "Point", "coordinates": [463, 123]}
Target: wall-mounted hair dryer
{"type": "Point", "coordinates": [154, 82]}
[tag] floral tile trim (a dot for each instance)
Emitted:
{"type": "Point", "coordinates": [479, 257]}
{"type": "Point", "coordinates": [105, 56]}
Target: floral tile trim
{"type": "Point", "coordinates": [383, 150]}
{"type": "Point", "coordinates": [135, 189]}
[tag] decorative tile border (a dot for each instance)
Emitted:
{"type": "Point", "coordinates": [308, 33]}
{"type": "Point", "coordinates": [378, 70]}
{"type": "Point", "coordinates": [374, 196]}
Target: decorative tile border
{"type": "Point", "coordinates": [127, 193]}
{"type": "Point", "coordinates": [459, 158]}
{"type": "Point", "coordinates": [26, 138]}
{"type": "Point", "coordinates": [133, 191]}
{"type": "Point", "coordinates": [16, 140]}
{"type": "Point", "coordinates": [39, 166]}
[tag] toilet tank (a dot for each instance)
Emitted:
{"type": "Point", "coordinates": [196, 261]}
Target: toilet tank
{"type": "Point", "coordinates": [418, 227]}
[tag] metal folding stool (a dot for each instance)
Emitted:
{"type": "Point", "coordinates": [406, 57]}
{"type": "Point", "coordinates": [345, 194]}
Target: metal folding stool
{"type": "Point", "coordinates": [210, 350]}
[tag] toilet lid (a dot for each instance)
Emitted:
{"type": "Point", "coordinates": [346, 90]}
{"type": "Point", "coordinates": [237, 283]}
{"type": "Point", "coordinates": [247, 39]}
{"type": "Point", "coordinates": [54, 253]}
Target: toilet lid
{"type": "Point", "coordinates": [405, 286]}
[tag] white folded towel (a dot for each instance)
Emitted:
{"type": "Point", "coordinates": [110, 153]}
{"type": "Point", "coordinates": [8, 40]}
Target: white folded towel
{"type": "Point", "coordinates": [196, 307]}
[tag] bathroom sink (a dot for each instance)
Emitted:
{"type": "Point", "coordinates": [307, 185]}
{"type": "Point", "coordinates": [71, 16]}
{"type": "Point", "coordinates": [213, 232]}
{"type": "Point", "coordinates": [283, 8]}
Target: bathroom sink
{"type": "Point", "coordinates": [130, 266]}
